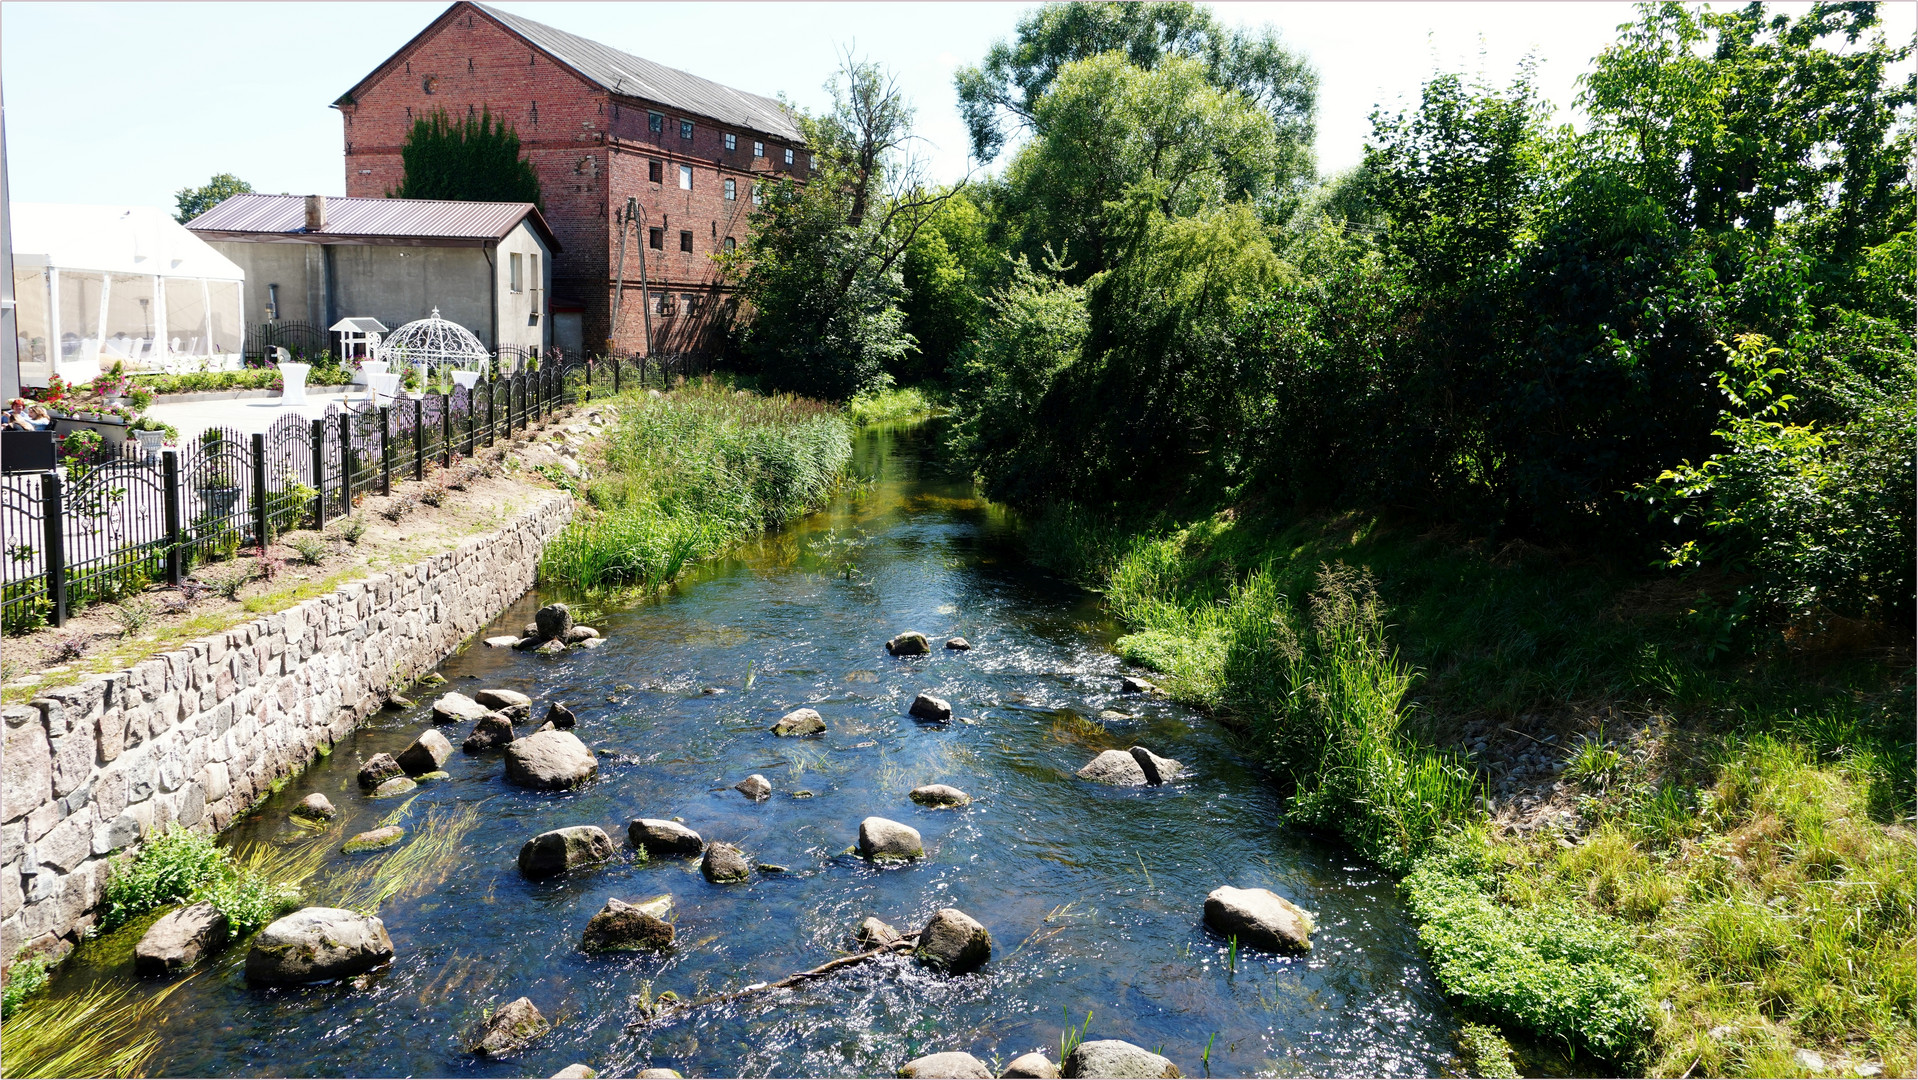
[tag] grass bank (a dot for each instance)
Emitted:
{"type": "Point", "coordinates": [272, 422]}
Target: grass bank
{"type": "Point", "coordinates": [1637, 836]}
{"type": "Point", "coordinates": [893, 404]}
{"type": "Point", "coordinates": [680, 476]}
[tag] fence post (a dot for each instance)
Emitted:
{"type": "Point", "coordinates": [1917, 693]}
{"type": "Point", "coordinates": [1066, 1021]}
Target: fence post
{"type": "Point", "coordinates": [260, 522]}
{"type": "Point", "coordinates": [386, 450]}
{"type": "Point", "coordinates": [615, 374]}
{"type": "Point", "coordinates": [346, 462]}
{"type": "Point", "coordinates": [446, 430]}
{"type": "Point", "coordinates": [492, 399]}
{"type": "Point", "coordinates": [175, 538]}
{"type": "Point", "coordinates": [316, 439]}
{"type": "Point", "coordinates": [53, 509]}
{"type": "Point", "coordinates": [419, 437]}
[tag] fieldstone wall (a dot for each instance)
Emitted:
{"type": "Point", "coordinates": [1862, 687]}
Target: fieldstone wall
{"type": "Point", "coordinates": [197, 735]}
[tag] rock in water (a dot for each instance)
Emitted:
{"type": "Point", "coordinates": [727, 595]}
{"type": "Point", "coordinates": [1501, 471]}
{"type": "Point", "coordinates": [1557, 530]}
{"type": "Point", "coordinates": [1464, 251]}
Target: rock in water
{"type": "Point", "coordinates": [952, 1063]}
{"type": "Point", "coordinates": [724, 863]}
{"type": "Point", "coordinates": [552, 621]}
{"type": "Point", "coordinates": [1158, 770]}
{"type": "Point", "coordinates": [551, 648]}
{"type": "Point", "coordinates": [317, 944]}
{"type": "Point", "coordinates": [927, 707]}
{"type": "Point", "coordinates": [453, 708]}
{"type": "Point", "coordinates": [754, 787]}
{"type": "Point", "coordinates": [373, 839]}
{"type": "Point", "coordinates": [180, 939]}
{"type": "Point", "coordinates": [657, 1074]}
{"type": "Point", "coordinates": [315, 806]}
{"type": "Point", "coordinates": [399, 785]}
{"type": "Point", "coordinates": [490, 733]}
{"type": "Point", "coordinates": [875, 934]}
{"type": "Point", "coordinates": [1116, 1058]}
{"type": "Point", "coordinates": [549, 760]}
{"type": "Point", "coordinates": [398, 702]}
{"type": "Point", "coordinates": [512, 1025]}
{"type": "Point", "coordinates": [561, 850]}
{"type": "Point", "coordinates": [576, 1071]}
{"type": "Point", "coordinates": [623, 926]}
{"type": "Point", "coordinates": [580, 633]}
{"type": "Point", "coordinates": [1032, 1067]}
{"type": "Point", "coordinates": [939, 795]}
{"type": "Point", "coordinates": [1133, 685]}
{"type": "Point", "coordinates": [800, 722]}
{"type": "Point", "coordinates": [426, 755]}
{"type": "Point", "coordinates": [910, 643]}
{"type": "Point", "coordinates": [958, 644]}
{"type": "Point", "coordinates": [1260, 919]}
{"type": "Point", "coordinates": [511, 702]}
{"type": "Point", "coordinates": [502, 641]}
{"type": "Point", "coordinates": [657, 837]}
{"type": "Point", "coordinates": [954, 942]}
{"type": "Point", "coordinates": [881, 840]}
{"type": "Point", "coordinates": [560, 716]}
{"type": "Point", "coordinates": [1114, 767]}
{"type": "Point", "coordinates": [379, 769]}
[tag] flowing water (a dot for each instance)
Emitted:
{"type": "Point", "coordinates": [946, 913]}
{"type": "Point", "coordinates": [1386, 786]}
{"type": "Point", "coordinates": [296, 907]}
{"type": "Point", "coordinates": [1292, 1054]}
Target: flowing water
{"type": "Point", "coordinates": [1092, 894]}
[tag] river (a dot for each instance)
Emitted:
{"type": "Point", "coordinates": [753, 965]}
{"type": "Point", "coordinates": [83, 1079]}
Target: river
{"type": "Point", "coordinates": [1092, 894]}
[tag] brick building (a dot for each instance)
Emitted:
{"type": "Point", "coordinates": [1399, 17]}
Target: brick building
{"type": "Point", "coordinates": [600, 127]}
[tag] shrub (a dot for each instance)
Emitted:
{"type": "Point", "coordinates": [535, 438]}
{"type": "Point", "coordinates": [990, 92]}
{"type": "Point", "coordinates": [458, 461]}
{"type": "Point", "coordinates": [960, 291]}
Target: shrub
{"type": "Point", "coordinates": [879, 406]}
{"type": "Point", "coordinates": [312, 548]}
{"type": "Point", "coordinates": [351, 529]}
{"type": "Point", "coordinates": [133, 616]}
{"type": "Point", "coordinates": [180, 866]}
{"type": "Point", "coordinates": [27, 977]}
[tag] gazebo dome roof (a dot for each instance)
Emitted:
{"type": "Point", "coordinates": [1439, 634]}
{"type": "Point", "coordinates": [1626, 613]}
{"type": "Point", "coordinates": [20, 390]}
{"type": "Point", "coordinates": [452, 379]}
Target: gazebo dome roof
{"type": "Point", "coordinates": [435, 341]}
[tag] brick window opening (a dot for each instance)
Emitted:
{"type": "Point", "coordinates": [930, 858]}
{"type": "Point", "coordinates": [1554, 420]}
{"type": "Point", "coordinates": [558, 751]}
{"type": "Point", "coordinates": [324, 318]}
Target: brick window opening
{"type": "Point", "coordinates": [730, 244]}
{"type": "Point", "coordinates": [685, 240]}
{"type": "Point", "coordinates": [659, 304]}
{"type": "Point", "coordinates": [654, 170]}
{"type": "Point", "coordinates": [759, 148]}
{"type": "Point", "coordinates": [656, 239]}
{"type": "Point", "coordinates": [655, 122]}
{"type": "Point", "coordinates": [789, 155]}
{"type": "Point", "coordinates": [535, 114]}
{"type": "Point", "coordinates": [691, 300]}
{"type": "Point", "coordinates": [732, 141]}
{"type": "Point", "coordinates": [732, 189]}
{"type": "Point", "coordinates": [685, 129]}
{"type": "Point", "coordinates": [686, 177]}
{"type": "Point", "coordinates": [758, 196]}
{"type": "Point", "coordinates": [429, 84]}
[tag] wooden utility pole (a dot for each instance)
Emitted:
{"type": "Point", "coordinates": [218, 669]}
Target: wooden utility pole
{"type": "Point", "coordinates": [645, 285]}
{"type": "Point", "coordinates": [619, 278]}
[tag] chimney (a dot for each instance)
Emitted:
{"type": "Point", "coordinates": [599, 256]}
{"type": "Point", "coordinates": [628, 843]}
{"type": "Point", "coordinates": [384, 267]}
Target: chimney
{"type": "Point", "coordinates": [316, 213]}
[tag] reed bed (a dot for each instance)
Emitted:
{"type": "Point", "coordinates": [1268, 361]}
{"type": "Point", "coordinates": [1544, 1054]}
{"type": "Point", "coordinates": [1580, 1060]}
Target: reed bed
{"type": "Point", "coordinates": [423, 863]}
{"type": "Point", "coordinates": [101, 1031]}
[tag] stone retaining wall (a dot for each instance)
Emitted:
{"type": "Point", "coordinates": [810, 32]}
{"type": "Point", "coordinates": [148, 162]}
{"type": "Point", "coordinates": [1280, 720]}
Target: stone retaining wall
{"type": "Point", "coordinates": [197, 735]}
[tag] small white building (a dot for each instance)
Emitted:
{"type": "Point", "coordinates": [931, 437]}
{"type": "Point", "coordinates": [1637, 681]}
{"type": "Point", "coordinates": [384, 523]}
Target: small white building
{"type": "Point", "coordinates": [99, 284]}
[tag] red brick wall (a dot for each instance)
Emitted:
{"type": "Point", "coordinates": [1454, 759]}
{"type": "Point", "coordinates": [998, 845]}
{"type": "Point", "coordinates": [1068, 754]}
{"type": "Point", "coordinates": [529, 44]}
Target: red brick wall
{"type": "Point", "coordinates": [591, 153]}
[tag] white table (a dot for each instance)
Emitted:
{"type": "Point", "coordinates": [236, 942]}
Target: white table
{"type": "Point", "coordinates": [293, 383]}
{"type": "Point", "coordinates": [381, 387]}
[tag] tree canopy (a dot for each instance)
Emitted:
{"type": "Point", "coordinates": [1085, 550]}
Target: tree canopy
{"type": "Point", "coordinates": [472, 160]}
{"type": "Point", "coordinates": [194, 201]}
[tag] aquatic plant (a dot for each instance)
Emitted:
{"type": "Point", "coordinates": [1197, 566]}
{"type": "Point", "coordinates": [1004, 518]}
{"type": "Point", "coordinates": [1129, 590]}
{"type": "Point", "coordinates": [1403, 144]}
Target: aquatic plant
{"type": "Point", "coordinates": [1071, 1037]}
{"type": "Point", "coordinates": [105, 1030]}
{"type": "Point", "coordinates": [422, 863]}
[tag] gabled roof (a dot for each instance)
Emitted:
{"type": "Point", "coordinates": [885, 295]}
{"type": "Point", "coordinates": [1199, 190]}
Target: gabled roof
{"type": "Point", "coordinates": [627, 75]}
{"type": "Point", "coordinates": [283, 218]}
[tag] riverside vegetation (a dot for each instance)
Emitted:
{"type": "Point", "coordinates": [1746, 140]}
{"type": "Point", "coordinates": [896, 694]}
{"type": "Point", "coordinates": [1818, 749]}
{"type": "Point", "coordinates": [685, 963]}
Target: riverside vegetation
{"type": "Point", "coordinates": [1601, 436]}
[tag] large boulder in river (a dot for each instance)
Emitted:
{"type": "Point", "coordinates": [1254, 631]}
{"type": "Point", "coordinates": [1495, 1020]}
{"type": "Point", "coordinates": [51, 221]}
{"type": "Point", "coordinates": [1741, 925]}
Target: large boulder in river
{"type": "Point", "coordinates": [378, 770]}
{"type": "Point", "coordinates": [659, 837]}
{"type": "Point", "coordinates": [560, 850]}
{"type": "Point", "coordinates": [1260, 919]}
{"type": "Point", "coordinates": [952, 1063]}
{"type": "Point", "coordinates": [549, 760]}
{"type": "Point", "coordinates": [939, 795]}
{"type": "Point", "coordinates": [552, 621]}
{"type": "Point", "coordinates": [315, 807]}
{"type": "Point", "coordinates": [800, 722]}
{"type": "Point", "coordinates": [374, 839]}
{"type": "Point", "coordinates": [1034, 1066]}
{"type": "Point", "coordinates": [927, 707]}
{"type": "Point", "coordinates": [909, 643]}
{"type": "Point", "coordinates": [511, 702]}
{"type": "Point", "coordinates": [1116, 1058]}
{"type": "Point", "coordinates": [491, 732]}
{"type": "Point", "coordinates": [1114, 767]}
{"type": "Point", "coordinates": [630, 927]}
{"type": "Point", "coordinates": [454, 708]}
{"type": "Point", "coordinates": [954, 942]}
{"type": "Point", "coordinates": [881, 840]}
{"type": "Point", "coordinates": [317, 944]}
{"type": "Point", "coordinates": [1158, 770]}
{"type": "Point", "coordinates": [399, 785]}
{"type": "Point", "coordinates": [724, 864]}
{"type": "Point", "coordinates": [426, 755]}
{"type": "Point", "coordinates": [510, 1027]}
{"type": "Point", "coordinates": [181, 939]}
{"type": "Point", "coordinates": [576, 1071]}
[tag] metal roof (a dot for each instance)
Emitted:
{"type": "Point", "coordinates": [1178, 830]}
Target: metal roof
{"type": "Point", "coordinates": [632, 76]}
{"type": "Point", "coordinates": [283, 217]}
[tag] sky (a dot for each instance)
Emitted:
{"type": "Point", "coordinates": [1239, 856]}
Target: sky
{"type": "Point", "coordinates": [128, 103]}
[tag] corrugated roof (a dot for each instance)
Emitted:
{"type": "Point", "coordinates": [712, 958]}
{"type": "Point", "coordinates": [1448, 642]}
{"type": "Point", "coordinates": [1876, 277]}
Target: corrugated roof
{"type": "Point", "coordinates": [349, 219]}
{"type": "Point", "coordinates": [635, 76]}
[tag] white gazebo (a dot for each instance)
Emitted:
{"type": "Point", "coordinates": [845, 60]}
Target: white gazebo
{"type": "Point", "coordinates": [100, 284]}
{"type": "Point", "coordinates": [433, 344]}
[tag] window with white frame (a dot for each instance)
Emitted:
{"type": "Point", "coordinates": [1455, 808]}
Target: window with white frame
{"type": "Point", "coordinates": [686, 177]}
{"type": "Point", "coordinates": [789, 155]}
{"type": "Point", "coordinates": [732, 189]}
{"type": "Point", "coordinates": [514, 282]}
{"type": "Point", "coordinates": [759, 148]}
{"type": "Point", "coordinates": [732, 141]}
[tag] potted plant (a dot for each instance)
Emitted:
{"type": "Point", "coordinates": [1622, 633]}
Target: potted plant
{"type": "Point", "coordinates": [152, 435]}
{"type": "Point", "coordinates": [220, 484]}
{"type": "Point", "coordinates": [111, 385]}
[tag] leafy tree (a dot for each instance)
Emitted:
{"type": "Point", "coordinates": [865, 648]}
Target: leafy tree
{"type": "Point", "coordinates": [473, 160]}
{"type": "Point", "coordinates": [947, 270]}
{"type": "Point", "coordinates": [194, 201]}
{"type": "Point", "coordinates": [1036, 328]}
{"type": "Point", "coordinates": [1016, 75]}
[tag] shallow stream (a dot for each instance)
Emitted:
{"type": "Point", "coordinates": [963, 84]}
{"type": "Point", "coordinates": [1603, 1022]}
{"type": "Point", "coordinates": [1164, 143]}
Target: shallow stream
{"type": "Point", "coordinates": [1092, 894]}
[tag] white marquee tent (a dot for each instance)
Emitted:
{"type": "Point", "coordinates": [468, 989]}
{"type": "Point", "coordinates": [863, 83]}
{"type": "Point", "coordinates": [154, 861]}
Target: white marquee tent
{"type": "Point", "coordinates": [99, 284]}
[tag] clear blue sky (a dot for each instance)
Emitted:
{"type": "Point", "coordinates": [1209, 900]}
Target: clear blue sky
{"type": "Point", "coordinates": [127, 103]}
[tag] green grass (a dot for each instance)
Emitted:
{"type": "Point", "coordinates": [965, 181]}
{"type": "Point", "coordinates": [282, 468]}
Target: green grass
{"type": "Point", "coordinates": [1740, 886]}
{"type": "Point", "coordinates": [684, 475]}
{"type": "Point", "coordinates": [890, 404]}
